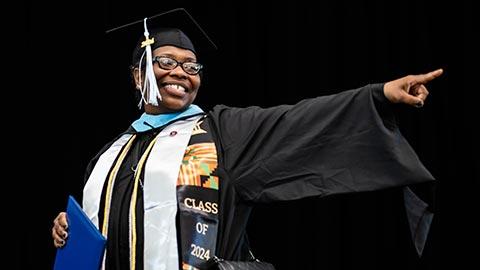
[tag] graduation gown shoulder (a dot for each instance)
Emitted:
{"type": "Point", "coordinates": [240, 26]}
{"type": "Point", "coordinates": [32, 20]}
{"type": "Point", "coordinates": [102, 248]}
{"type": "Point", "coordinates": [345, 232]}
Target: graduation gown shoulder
{"type": "Point", "coordinates": [91, 164]}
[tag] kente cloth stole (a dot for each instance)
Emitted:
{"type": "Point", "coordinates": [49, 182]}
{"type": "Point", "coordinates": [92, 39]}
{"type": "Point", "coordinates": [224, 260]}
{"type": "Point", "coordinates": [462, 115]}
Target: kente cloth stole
{"type": "Point", "coordinates": [197, 194]}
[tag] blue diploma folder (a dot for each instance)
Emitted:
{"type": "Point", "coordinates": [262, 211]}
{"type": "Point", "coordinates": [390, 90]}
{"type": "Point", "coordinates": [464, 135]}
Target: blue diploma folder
{"type": "Point", "coordinates": [85, 244]}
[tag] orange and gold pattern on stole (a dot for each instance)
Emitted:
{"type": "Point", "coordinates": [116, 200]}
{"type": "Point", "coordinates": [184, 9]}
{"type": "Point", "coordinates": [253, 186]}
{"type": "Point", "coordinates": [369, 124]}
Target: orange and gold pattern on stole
{"type": "Point", "coordinates": [198, 164]}
{"type": "Point", "coordinates": [186, 266]}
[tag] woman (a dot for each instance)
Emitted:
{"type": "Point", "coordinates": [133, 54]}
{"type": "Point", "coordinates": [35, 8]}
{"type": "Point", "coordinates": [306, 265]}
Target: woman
{"type": "Point", "coordinates": [177, 187]}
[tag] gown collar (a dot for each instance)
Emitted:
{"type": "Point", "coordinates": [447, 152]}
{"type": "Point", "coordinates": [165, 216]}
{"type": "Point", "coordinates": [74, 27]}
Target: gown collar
{"type": "Point", "coordinates": [147, 121]}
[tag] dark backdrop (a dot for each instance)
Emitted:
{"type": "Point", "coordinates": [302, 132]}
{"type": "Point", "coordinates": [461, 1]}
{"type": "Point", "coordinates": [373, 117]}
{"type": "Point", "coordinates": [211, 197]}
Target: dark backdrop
{"type": "Point", "coordinates": [75, 95]}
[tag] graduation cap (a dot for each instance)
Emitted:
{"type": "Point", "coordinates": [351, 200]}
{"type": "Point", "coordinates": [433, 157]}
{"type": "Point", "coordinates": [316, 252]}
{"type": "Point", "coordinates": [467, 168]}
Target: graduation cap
{"type": "Point", "coordinates": [174, 27]}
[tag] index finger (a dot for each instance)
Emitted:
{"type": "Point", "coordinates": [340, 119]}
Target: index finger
{"type": "Point", "coordinates": [424, 78]}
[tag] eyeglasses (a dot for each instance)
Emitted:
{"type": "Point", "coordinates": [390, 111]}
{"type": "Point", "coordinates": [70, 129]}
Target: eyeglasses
{"type": "Point", "coordinates": [167, 63]}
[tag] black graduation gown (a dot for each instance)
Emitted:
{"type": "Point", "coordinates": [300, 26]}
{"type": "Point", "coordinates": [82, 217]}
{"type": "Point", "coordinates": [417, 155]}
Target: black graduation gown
{"type": "Point", "coordinates": [342, 143]}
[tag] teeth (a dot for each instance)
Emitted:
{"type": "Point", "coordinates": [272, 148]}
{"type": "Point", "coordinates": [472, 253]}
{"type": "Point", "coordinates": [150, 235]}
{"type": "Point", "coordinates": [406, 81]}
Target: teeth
{"type": "Point", "coordinates": [176, 86]}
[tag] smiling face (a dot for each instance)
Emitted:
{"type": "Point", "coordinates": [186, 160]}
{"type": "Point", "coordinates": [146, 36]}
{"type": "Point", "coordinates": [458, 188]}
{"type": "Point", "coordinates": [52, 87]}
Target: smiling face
{"type": "Point", "coordinates": [177, 88]}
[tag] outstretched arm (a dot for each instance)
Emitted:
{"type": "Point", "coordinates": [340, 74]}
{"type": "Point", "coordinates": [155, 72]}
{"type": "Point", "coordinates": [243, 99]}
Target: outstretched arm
{"type": "Point", "coordinates": [410, 89]}
{"type": "Point", "coordinates": [323, 146]}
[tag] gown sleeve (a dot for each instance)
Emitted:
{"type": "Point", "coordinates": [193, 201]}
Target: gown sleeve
{"type": "Point", "coordinates": [341, 143]}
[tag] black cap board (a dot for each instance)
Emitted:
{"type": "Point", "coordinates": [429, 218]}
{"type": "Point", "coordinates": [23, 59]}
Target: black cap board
{"type": "Point", "coordinates": [174, 27]}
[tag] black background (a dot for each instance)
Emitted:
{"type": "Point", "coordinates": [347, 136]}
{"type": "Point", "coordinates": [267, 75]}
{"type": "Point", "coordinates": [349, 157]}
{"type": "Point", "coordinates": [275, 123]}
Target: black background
{"type": "Point", "coordinates": [72, 93]}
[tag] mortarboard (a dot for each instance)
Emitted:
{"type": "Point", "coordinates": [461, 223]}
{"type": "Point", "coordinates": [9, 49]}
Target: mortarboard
{"type": "Point", "coordinates": [173, 27]}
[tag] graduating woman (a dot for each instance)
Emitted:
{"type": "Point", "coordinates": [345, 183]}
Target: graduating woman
{"type": "Point", "coordinates": [177, 187]}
